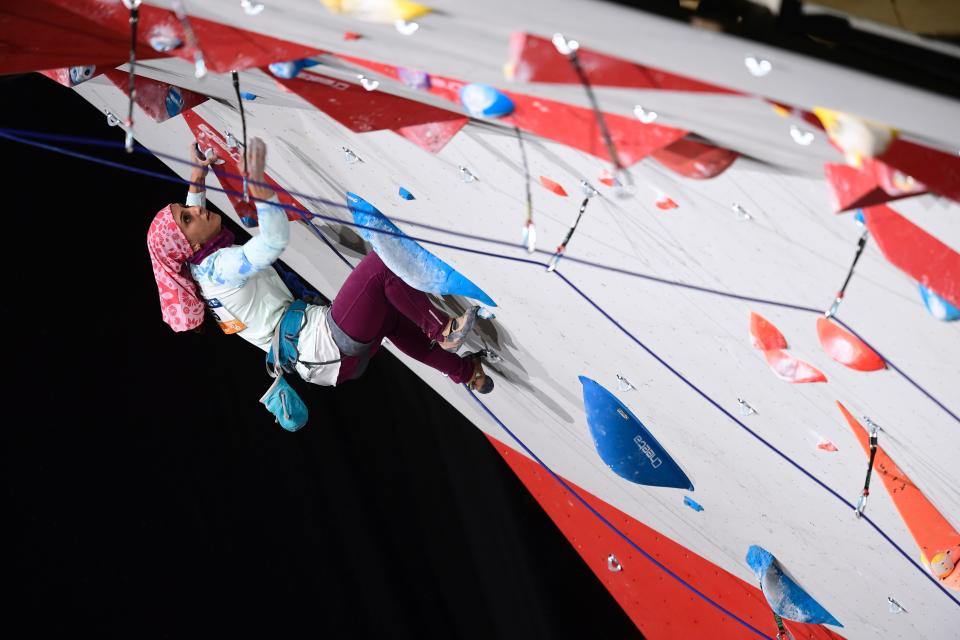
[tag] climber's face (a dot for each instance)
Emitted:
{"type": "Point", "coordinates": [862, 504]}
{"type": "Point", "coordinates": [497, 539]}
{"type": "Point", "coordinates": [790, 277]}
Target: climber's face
{"type": "Point", "coordinates": [198, 224]}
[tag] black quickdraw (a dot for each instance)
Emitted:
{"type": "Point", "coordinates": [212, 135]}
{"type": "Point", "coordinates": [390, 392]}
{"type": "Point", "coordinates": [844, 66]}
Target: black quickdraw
{"type": "Point", "coordinates": [243, 124]}
{"type": "Point", "coordinates": [588, 193]}
{"type": "Point", "coordinates": [134, 6]}
{"type": "Point", "coordinates": [874, 437]}
{"type": "Point", "coordinates": [861, 243]}
{"type": "Point", "coordinates": [529, 231]}
{"type": "Point", "coordinates": [569, 49]}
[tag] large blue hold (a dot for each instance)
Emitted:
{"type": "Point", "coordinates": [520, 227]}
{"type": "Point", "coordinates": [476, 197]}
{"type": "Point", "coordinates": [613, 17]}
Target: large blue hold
{"type": "Point", "coordinates": [785, 597]}
{"type": "Point", "coordinates": [415, 265]}
{"type": "Point", "coordinates": [482, 100]}
{"type": "Point", "coordinates": [625, 445]}
{"type": "Point", "coordinates": [938, 307]}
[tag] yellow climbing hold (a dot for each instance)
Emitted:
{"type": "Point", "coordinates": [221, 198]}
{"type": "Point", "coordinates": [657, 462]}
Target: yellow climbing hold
{"type": "Point", "coordinates": [384, 11]}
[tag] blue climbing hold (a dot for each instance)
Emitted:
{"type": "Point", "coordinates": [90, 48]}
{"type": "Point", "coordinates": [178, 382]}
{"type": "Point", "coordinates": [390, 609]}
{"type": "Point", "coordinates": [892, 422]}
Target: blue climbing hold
{"type": "Point", "coordinates": [415, 265]}
{"type": "Point", "coordinates": [482, 100]}
{"type": "Point", "coordinates": [173, 102]}
{"type": "Point", "coordinates": [246, 95]}
{"type": "Point", "coordinates": [625, 445]}
{"type": "Point", "coordinates": [938, 307]}
{"type": "Point", "coordinates": [858, 217]}
{"type": "Point", "coordinates": [289, 70]}
{"type": "Point", "coordinates": [785, 597]}
{"type": "Point", "coordinates": [406, 195]}
{"type": "Point", "coordinates": [693, 504]}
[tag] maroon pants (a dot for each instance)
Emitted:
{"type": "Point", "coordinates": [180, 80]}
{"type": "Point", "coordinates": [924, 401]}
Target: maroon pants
{"type": "Point", "coordinates": [374, 303]}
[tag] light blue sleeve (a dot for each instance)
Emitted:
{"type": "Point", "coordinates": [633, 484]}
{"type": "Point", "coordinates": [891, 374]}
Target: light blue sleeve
{"type": "Point", "coordinates": [234, 265]}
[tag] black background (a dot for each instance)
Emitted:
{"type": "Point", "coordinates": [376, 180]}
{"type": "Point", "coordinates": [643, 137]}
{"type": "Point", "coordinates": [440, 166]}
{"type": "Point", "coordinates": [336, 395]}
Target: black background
{"type": "Point", "coordinates": [149, 494]}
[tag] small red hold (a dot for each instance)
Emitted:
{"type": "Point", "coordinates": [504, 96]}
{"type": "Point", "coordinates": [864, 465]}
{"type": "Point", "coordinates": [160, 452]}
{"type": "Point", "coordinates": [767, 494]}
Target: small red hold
{"type": "Point", "coordinates": [553, 186]}
{"type": "Point", "coordinates": [351, 35]}
{"type": "Point", "coordinates": [607, 179]}
{"type": "Point", "coordinates": [791, 369]}
{"type": "Point", "coordinates": [764, 335]}
{"type": "Point", "coordinates": [826, 445]}
{"type": "Point", "coordinates": [663, 202]}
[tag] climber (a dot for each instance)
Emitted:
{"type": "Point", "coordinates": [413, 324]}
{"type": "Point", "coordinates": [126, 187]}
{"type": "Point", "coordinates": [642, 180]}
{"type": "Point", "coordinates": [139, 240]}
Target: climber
{"type": "Point", "coordinates": [189, 249]}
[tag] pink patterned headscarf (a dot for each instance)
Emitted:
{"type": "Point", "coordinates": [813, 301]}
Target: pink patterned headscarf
{"type": "Point", "coordinates": [181, 306]}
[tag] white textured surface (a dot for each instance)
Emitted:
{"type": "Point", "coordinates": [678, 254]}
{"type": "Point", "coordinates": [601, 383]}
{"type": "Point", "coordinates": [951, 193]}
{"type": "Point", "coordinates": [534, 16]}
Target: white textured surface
{"type": "Point", "coordinates": [794, 250]}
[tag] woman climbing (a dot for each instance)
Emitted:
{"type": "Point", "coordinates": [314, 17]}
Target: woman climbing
{"type": "Point", "coordinates": [189, 248]}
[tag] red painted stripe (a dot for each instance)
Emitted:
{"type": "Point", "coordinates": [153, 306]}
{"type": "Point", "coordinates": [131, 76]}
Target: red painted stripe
{"type": "Point", "coordinates": [914, 251]}
{"type": "Point", "coordinates": [535, 59]}
{"type": "Point", "coordinates": [660, 606]}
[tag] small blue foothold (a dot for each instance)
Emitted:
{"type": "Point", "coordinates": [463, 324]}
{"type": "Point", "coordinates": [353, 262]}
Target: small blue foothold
{"type": "Point", "coordinates": [693, 504]}
{"type": "Point", "coordinates": [246, 95]}
{"type": "Point", "coordinates": [406, 195]}
{"type": "Point", "coordinates": [858, 216]}
{"type": "Point", "coordinates": [289, 70]}
{"type": "Point", "coordinates": [482, 100]}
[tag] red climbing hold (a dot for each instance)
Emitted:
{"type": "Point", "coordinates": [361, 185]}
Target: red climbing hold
{"type": "Point", "coordinates": [432, 136]}
{"type": "Point", "coordinates": [914, 251]}
{"type": "Point", "coordinates": [553, 186]}
{"type": "Point", "coordinates": [535, 59]}
{"type": "Point", "coordinates": [873, 184]}
{"type": "Point", "coordinates": [791, 369]}
{"type": "Point", "coordinates": [765, 336]}
{"type": "Point", "coordinates": [695, 159]}
{"type": "Point", "coordinates": [351, 35]}
{"type": "Point", "coordinates": [846, 348]}
{"type": "Point", "coordinates": [607, 179]}
{"type": "Point", "coordinates": [826, 445]}
{"type": "Point", "coordinates": [663, 202]}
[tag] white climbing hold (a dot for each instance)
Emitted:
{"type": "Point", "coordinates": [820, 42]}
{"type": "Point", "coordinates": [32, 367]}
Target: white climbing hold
{"type": "Point", "coordinates": [564, 46]}
{"type": "Point", "coordinates": [623, 384]}
{"type": "Point", "coordinates": [644, 115]}
{"type": "Point", "coordinates": [368, 83]}
{"type": "Point", "coordinates": [350, 156]}
{"type": "Point", "coordinates": [466, 175]}
{"type": "Point", "coordinates": [406, 28]}
{"type": "Point", "coordinates": [588, 190]}
{"type": "Point", "coordinates": [757, 67]}
{"type": "Point", "coordinates": [251, 8]}
{"type": "Point", "coordinates": [801, 136]}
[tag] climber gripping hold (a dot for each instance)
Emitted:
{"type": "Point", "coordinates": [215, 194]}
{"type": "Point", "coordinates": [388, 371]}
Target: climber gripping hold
{"type": "Point", "coordinates": [195, 257]}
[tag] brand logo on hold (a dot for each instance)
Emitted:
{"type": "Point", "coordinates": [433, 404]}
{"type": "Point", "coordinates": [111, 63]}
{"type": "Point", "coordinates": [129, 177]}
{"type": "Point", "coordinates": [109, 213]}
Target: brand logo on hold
{"type": "Point", "coordinates": [174, 101]}
{"type": "Point", "coordinates": [645, 449]}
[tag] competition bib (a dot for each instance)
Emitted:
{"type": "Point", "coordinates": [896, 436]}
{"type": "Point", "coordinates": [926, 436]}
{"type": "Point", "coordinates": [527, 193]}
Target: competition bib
{"type": "Point", "coordinates": [225, 319]}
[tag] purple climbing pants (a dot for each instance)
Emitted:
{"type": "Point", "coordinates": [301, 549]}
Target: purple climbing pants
{"type": "Point", "coordinates": [374, 303]}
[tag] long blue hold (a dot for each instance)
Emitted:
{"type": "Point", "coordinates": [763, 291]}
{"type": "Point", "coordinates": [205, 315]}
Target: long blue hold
{"type": "Point", "coordinates": [625, 445]}
{"type": "Point", "coordinates": [415, 265]}
{"type": "Point", "coordinates": [785, 597]}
